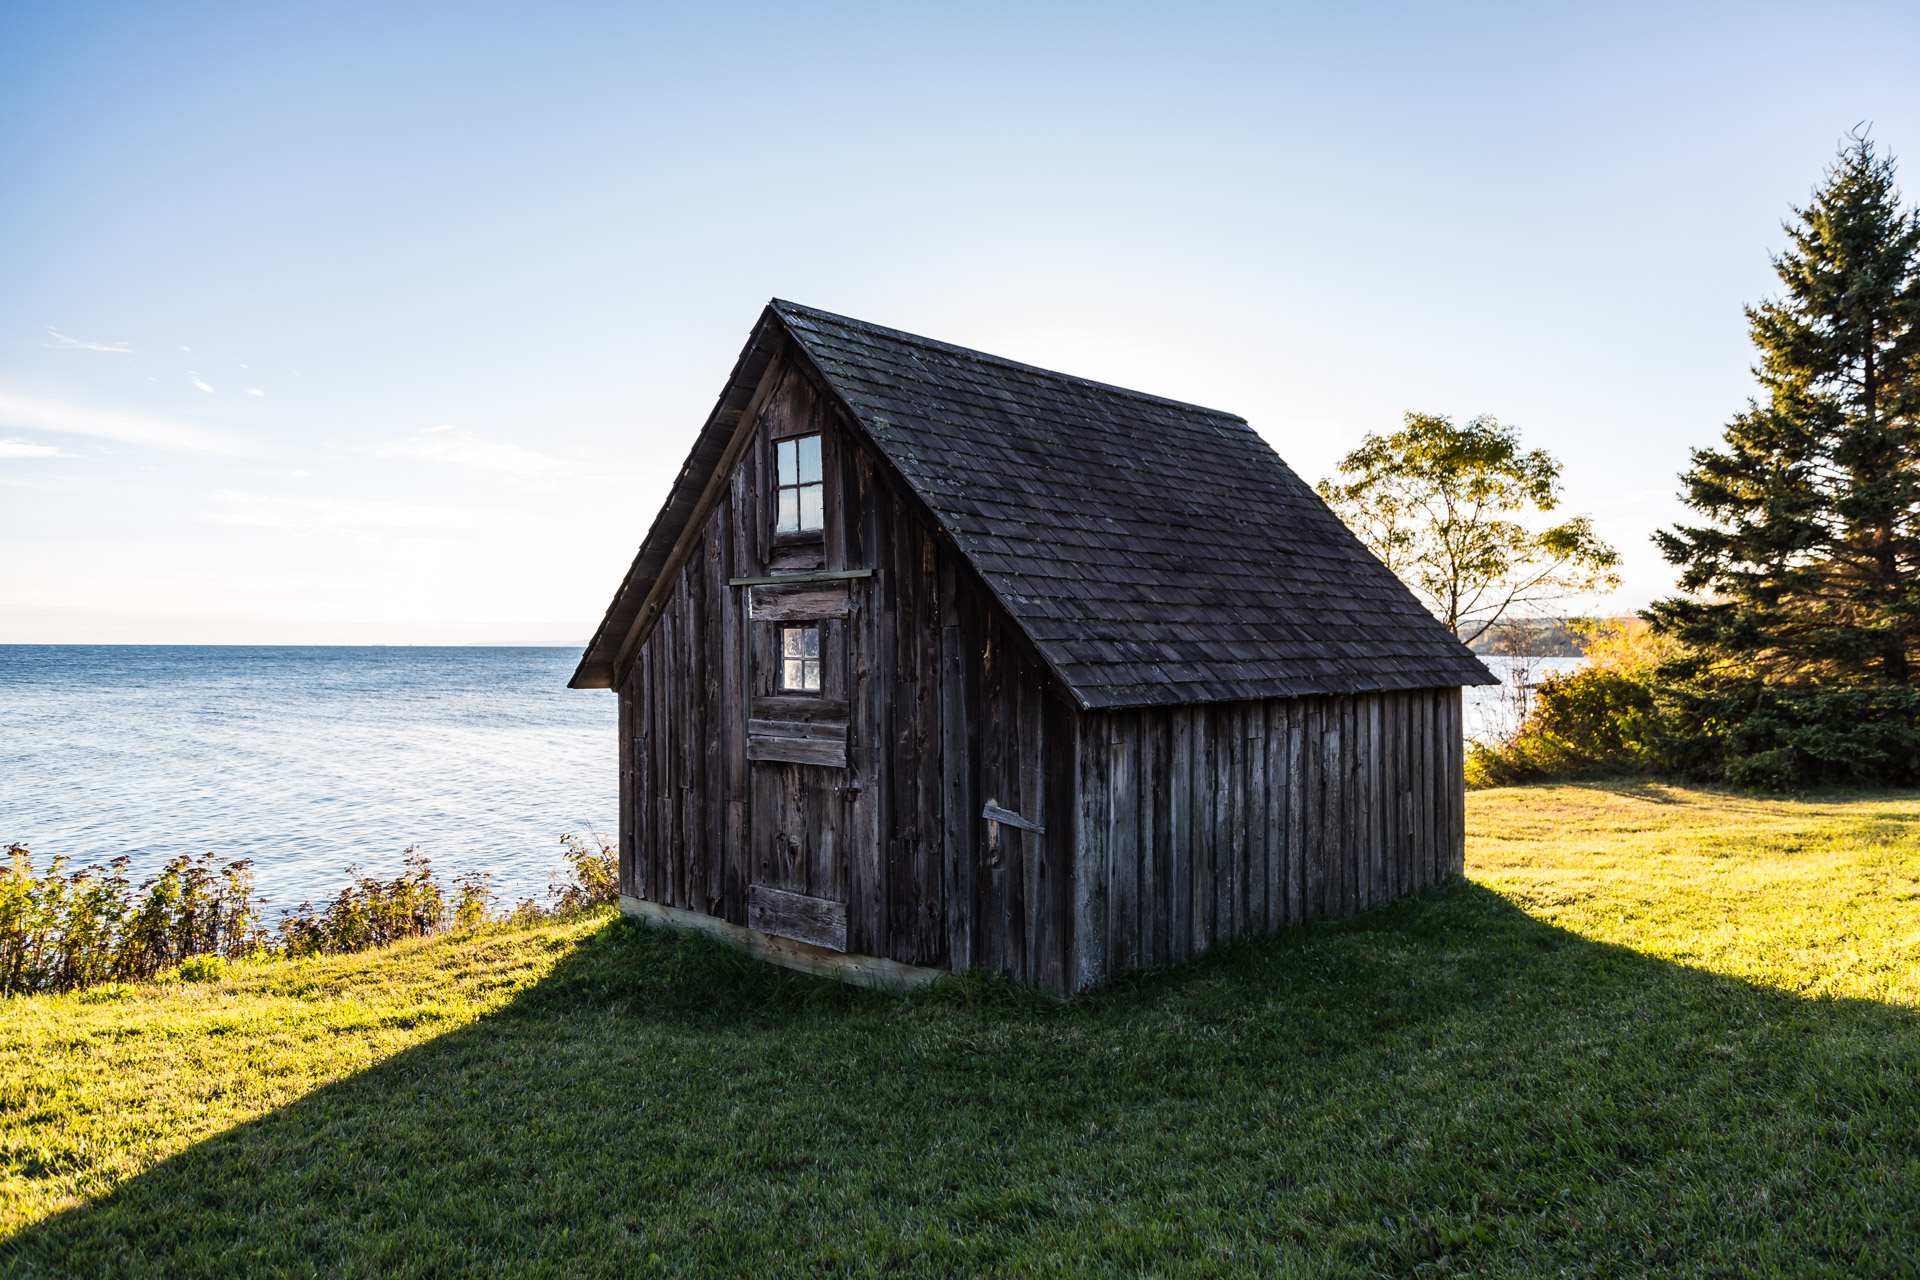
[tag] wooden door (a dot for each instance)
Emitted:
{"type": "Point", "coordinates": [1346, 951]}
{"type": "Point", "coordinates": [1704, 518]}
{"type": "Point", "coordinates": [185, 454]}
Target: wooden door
{"type": "Point", "coordinates": [800, 786]}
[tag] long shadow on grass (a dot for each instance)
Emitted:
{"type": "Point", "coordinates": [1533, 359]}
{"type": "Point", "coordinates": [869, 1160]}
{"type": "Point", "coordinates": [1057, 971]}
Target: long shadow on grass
{"type": "Point", "coordinates": [1446, 1082]}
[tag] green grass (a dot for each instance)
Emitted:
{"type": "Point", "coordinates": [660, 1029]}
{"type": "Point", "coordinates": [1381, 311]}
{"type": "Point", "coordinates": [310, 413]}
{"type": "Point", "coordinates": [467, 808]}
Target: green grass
{"type": "Point", "coordinates": [1658, 1031]}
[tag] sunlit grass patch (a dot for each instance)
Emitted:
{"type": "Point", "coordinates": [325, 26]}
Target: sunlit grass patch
{"type": "Point", "coordinates": [1818, 896]}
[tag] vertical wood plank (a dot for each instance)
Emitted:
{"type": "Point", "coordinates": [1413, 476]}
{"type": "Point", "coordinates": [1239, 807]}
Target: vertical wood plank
{"type": "Point", "coordinates": [1296, 812]}
{"type": "Point", "coordinates": [1361, 807]}
{"type": "Point", "coordinates": [670, 842]}
{"type": "Point", "coordinates": [702, 754]}
{"type": "Point", "coordinates": [669, 746]}
{"type": "Point", "coordinates": [1377, 890]}
{"type": "Point", "coordinates": [1443, 782]}
{"type": "Point", "coordinates": [1423, 791]}
{"type": "Point", "coordinates": [995, 842]}
{"type": "Point", "coordinates": [1366, 719]}
{"type": "Point", "coordinates": [955, 797]}
{"type": "Point", "coordinates": [1356, 805]}
{"type": "Point", "coordinates": [1339, 809]}
{"type": "Point", "coordinates": [1033, 851]}
{"type": "Point", "coordinates": [1240, 806]}
{"type": "Point", "coordinates": [651, 793]}
{"type": "Point", "coordinates": [733, 725]}
{"type": "Point", "coordinates": [1268, 816]}
{"type": "Point", "coordinates": [1313, 755]}
{"type": "Point", "coordinates": [674, 850]}
{"type": "Point", "coordinates": [1090, 851]}
{"type": "Point", "coordinates": [1060, 776]}
{"type": "Point", "coordinates": [646, 765]}
{"type": "Point", "coordinates": [1403, 799]}
{"type": "Point", "coordinates": [625, 729]}
{"type": "Point", "coordinates": [1156, 878]}
{"type": "Point", "coordinates": [1205, 879]}
{"type": "Point", "coordinates": [1427, 824]}
{"type": "Point", "coordinates": [1220, 834]}
{"type": "Point", "coordinates": [908, 887]}
{"type": "Point", "coordinates": [1149, 946]}
{"type": "Point", "coordinates": [933, 908]}
{"type": "Point", "coordinates": [687, 758]}
{"type": "Point", "coordinates": [664, 833]}
{"type": "Point", "coordinates": [1180, 939]}
{"type": "Point", "coordinates": [1458, 776]}
{"type": "Point", "coordinates": [1123, 843]}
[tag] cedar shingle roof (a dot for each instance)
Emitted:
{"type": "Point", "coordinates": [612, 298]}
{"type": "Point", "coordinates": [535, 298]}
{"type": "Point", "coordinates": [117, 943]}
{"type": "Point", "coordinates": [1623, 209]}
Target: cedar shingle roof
{"type": "Point", "coordinates": [1154, 552]}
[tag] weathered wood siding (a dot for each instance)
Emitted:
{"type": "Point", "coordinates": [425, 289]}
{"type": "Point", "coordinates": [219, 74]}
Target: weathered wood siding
{"type": "Point", "coordinates": [947, 712]}
{"type": "Point", "coordinates": [1200, 824]}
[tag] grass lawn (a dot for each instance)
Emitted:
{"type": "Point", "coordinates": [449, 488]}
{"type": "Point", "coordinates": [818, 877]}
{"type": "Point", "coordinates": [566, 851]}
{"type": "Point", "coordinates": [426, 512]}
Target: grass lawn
{"type": "Point", "coordinates": [1657, 1030]}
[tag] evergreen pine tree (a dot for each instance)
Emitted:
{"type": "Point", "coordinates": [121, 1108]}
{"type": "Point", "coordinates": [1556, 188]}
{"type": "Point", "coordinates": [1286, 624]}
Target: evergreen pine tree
{"type": "Point", "coordinates": [1807, 574]}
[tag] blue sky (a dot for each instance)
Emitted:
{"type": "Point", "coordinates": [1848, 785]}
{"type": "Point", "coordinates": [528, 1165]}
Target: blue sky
{"type": "Point", "coordinates": [391, 324]}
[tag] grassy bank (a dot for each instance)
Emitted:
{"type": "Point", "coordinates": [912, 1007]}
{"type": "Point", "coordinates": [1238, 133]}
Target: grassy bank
{"type": "Point", "coordinates": [1658, 1030]}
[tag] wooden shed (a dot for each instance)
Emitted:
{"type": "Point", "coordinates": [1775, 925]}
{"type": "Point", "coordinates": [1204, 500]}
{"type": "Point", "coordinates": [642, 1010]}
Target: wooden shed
{"type": "Point", "coordinates": [936, 661]}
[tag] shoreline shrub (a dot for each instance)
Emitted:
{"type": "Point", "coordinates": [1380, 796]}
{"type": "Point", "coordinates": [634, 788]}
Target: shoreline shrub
{"type": "Point", "coordinates": [593, 875]}
{"type": "Point", "coordinates": [91, 928]}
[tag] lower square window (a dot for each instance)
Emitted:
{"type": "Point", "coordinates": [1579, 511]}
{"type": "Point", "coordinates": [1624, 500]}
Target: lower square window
{"type": "Point", "coordinates": [800, 659]}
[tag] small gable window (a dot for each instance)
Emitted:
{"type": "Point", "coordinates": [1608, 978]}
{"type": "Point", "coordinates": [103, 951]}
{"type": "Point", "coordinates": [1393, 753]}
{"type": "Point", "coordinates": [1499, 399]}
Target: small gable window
{"type": "Point", "coordinates": [800, 506]}
{"type": "Point", "coordinates": [800, 659]}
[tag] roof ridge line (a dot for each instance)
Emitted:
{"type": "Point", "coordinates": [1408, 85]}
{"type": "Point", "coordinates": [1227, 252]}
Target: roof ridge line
{"type": "Point", "coordinates": [782, 306]}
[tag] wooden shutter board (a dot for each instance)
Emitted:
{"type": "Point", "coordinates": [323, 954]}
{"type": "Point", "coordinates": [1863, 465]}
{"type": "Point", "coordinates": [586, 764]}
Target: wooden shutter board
{"type": "Point", "coordinates": [798, 916]}
{"type": "Point", "coordinates": [826, 754]}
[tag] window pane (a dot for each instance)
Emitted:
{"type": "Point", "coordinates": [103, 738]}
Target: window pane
{"type": "Point", "coordinates": [789, 520]}
{"type": "Point", "coordinates": [809, 461]}
{"type": "Point", "coordinates": [783, 453]}
{"type": "Point", "coordinates": [811, 516]}
{"type": "Point", "coordinates": [800, 659]}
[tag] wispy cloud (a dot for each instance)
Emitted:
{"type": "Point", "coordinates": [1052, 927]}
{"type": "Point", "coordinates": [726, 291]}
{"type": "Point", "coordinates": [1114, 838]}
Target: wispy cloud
{"type": "Point", "coordinates": [63, 343]}
{"type": "Point", "coordinates": [459, 448]}
{"type": "Point", "coordinates": [26, 449]}
{"type": "Point", "coordinates": [255, 391]}
{"type": "Point", "coordinates": [196, 382]}
{"type": "Point", "coordinates": [263, 511]}
{"type": "Point", "coordinates": [30, 413]}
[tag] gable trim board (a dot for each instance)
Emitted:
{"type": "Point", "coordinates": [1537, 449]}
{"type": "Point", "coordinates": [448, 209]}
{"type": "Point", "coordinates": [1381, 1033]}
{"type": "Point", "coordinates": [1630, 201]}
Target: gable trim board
{"type": "Point", "coordinates": [1150, 552]}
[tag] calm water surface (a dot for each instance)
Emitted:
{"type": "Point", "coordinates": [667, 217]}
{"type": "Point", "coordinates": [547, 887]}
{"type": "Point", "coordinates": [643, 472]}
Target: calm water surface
{"type": "Point", "coordinates": [1493, 710]}
{"type": "Point", "coordinates": [306, 760]}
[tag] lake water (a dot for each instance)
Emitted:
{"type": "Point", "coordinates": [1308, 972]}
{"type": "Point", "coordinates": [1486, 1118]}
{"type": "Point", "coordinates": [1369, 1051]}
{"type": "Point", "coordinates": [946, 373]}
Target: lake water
{"type": "Point", "coordinates": [306, 760]}
{"type": "Point", "coordinates": [310, 760]}
{"type": "Point", "coordinates": [1491, 711]}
